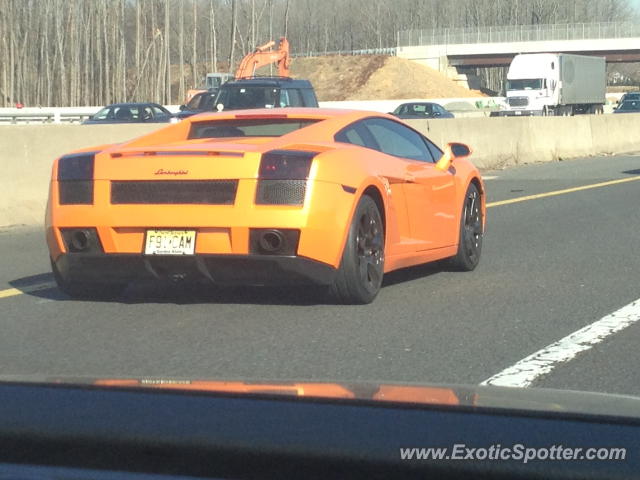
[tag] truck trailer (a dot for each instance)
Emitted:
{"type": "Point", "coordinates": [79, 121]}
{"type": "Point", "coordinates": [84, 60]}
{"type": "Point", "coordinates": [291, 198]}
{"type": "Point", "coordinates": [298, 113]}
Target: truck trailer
{"type": "Point", "coordinates": [557, 84]}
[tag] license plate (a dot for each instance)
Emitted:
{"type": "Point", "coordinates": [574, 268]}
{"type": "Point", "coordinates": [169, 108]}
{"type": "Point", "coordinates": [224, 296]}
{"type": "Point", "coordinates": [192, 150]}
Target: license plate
{"type": "Point", "coordinates": [170, 242]}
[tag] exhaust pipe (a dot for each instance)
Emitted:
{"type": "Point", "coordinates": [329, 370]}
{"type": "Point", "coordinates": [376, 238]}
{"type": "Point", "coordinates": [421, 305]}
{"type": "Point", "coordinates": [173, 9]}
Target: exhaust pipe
{"type": "Point", "coordinates": [272, 241]}
{"type": "Point", "coordinates": [80, 240]}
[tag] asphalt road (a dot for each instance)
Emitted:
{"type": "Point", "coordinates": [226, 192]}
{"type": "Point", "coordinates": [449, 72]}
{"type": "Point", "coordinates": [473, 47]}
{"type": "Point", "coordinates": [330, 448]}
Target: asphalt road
{"type": "Point", "coordinates": [550, 266]}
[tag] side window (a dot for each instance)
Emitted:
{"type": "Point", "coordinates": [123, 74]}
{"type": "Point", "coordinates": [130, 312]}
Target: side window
{"type": "Point", "coordinates": [158, 112]}
{"type": "Point", "coordinates": [293, 97]}
{"type": "Point", "coordinates": [146, 114]}
{"type": "Point", "coordinates": [104, 114]}
{"type": "Point", "coordinates": [136, 113]}
{"type": "Point", "coordinates": [350, 135]}
{"type": "Point", "coordinates": [309, 97]}
{"type": "Point", "coordinates": [436, 153]}
{"type": "Point", "coordinates": [207, 102]}
{"type": "Point", "coordinates": [395, 139]}
{"type": "Point", "coordinates": [357, 134]}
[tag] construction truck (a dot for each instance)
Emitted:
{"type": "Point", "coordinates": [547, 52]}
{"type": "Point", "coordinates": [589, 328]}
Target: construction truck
{"type": "Point", "coordinates": [250, 91]}
{"type": "Point", "coordinates": [265, 55]}
{"type": "Point", "coordinates": [260, 57]}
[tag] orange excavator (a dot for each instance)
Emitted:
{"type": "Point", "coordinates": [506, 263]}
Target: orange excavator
{"type": "Point", "coordinates": [265, 55]}
{"type": "Point", "coordinates": [260, 57]}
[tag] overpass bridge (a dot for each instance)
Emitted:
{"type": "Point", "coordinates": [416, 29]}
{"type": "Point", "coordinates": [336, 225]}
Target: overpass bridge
{"type": "Point", "coordinates": [451, 50]}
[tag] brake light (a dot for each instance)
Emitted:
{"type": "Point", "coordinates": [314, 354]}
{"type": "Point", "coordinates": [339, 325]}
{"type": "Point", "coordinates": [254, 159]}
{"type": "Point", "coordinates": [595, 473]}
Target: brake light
{"type": "Point", "coordinates": [283, 177]}
{"type": "Point", "coordinates": [286, 165]}
{"type": "Point", "coordinates": [75, 179]}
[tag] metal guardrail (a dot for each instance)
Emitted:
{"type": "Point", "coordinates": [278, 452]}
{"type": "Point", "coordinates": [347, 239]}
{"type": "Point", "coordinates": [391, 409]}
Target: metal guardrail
{"type": "Point", "coordinates": [40, 118]}
{"type": "Point", "coordinates": [519, 33]}
{"type": "Point", "coordinates": [52, 115]}
{"type": "Point", "coordinates": [367, 51]}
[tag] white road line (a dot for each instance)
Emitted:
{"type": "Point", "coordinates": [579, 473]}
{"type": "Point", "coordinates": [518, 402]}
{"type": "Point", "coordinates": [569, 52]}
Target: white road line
{"type": "Point", "coordinates": [490, 177]}
{"type": "Point", "coordinates": [523, 373]}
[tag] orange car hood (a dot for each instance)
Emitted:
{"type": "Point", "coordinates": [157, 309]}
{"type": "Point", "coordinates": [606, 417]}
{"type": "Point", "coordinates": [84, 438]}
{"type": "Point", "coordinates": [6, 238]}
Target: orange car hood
{"type": "Point", "coordinates": [452, 396]}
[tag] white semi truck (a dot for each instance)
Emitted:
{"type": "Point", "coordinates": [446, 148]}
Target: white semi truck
{"type": "Point", "coordinates": [555, 84]}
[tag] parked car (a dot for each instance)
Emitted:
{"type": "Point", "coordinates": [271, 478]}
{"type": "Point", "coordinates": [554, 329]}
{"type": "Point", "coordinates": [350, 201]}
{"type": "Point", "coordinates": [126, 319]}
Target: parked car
{"type": "Point", "coordinates": [201, 102]}
{"type": "Point", "coordinates": [628, 106]}
{"type": "Point", "coordinates": [131, 113]}
{"type": "Point", "coordinates": [421, 110]}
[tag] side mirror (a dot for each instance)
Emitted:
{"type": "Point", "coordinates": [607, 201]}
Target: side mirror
{"type": "Point", "coordinates": [451, 152]}
{"type": "Point", "coordinates": [436, 114]}
{"type": "Point", "coordinates": [459, 150]}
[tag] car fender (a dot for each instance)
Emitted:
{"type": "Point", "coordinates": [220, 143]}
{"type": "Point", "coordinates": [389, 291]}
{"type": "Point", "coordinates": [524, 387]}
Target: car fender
{"type": "Point", "coordinates": [357, 170]}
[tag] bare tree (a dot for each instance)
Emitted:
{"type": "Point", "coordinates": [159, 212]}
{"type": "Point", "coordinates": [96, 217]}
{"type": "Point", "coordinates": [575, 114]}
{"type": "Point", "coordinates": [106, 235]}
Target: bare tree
{"type": "Point", "coordinates": [92, 52]}
{"type": "Point", "coordinates": [234, 11]}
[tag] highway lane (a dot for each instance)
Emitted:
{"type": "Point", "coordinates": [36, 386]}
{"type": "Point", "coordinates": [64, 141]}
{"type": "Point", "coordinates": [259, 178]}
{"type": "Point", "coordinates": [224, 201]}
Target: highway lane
{"type": "Point", "coordinates": [550, 266]}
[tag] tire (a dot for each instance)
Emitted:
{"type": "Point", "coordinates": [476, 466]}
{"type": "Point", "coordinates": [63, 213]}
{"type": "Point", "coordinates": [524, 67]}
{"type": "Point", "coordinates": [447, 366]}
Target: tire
{"type": "Point", "coordinates": [471, 232]}
{"type": "Point", "coordinates": [88, 290]}
{"type": "Point", "coordinates": [359, 277]}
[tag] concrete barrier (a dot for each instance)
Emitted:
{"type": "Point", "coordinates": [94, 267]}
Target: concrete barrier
{"type": "Point", "coordinates": [26, 155]}
{"type": "Point", "coordinates": [26, 152]}
{"type": "Point", "coordinates": [504, 141]}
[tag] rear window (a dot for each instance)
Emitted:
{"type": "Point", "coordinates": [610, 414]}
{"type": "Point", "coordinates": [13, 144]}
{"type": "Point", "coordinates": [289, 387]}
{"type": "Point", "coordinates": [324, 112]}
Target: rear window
{"type": "Point", "coordinates": [254, 127]}
{"type": "Point", "coordinates": [309, 98]}
{"type": "Point", "coordinates": [246, 97]}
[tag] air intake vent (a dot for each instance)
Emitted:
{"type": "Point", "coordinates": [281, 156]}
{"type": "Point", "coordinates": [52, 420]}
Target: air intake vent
{"type": "Point", "coordinates": [203, 192]}
{"type": "Point", "coordinates": [281, 192]}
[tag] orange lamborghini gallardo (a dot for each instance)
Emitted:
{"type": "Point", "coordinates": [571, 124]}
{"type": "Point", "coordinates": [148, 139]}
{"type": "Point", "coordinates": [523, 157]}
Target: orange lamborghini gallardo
{"type": "Point", "coordinates": [334, 198]}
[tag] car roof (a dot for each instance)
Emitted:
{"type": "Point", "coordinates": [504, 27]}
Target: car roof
{"type": "Point", "coordinates": [270, 81]}
{"type": "Point", "coordinates": [418, 103]}
{"type": "Point", "coordinates": [145, 104]}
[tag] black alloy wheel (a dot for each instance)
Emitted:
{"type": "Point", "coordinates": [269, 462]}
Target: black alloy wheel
{"type": "Point", "coordinates": [361, 270]}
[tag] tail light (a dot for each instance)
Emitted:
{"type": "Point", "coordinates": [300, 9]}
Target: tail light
{"type": "Point", "coordinates": [286, 164]}
{"type": "Point", "coordinates": [75, 179]}
{"type": "Point", "coordinates": [283, 177]}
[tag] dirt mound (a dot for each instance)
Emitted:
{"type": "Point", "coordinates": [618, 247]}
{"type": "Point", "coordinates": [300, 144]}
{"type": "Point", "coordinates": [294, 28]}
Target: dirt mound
{"type": "Point", "coordinates": [374, 77]}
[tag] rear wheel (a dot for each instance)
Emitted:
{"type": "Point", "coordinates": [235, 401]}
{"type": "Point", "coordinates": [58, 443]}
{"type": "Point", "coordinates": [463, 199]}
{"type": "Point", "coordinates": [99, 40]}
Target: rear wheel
{"type": "Point", "coordinates": [82, 289]}
{"type": "Point", "coordinates": [359, 276]}
{"type": "Point", "coordinates": [471, 232]}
